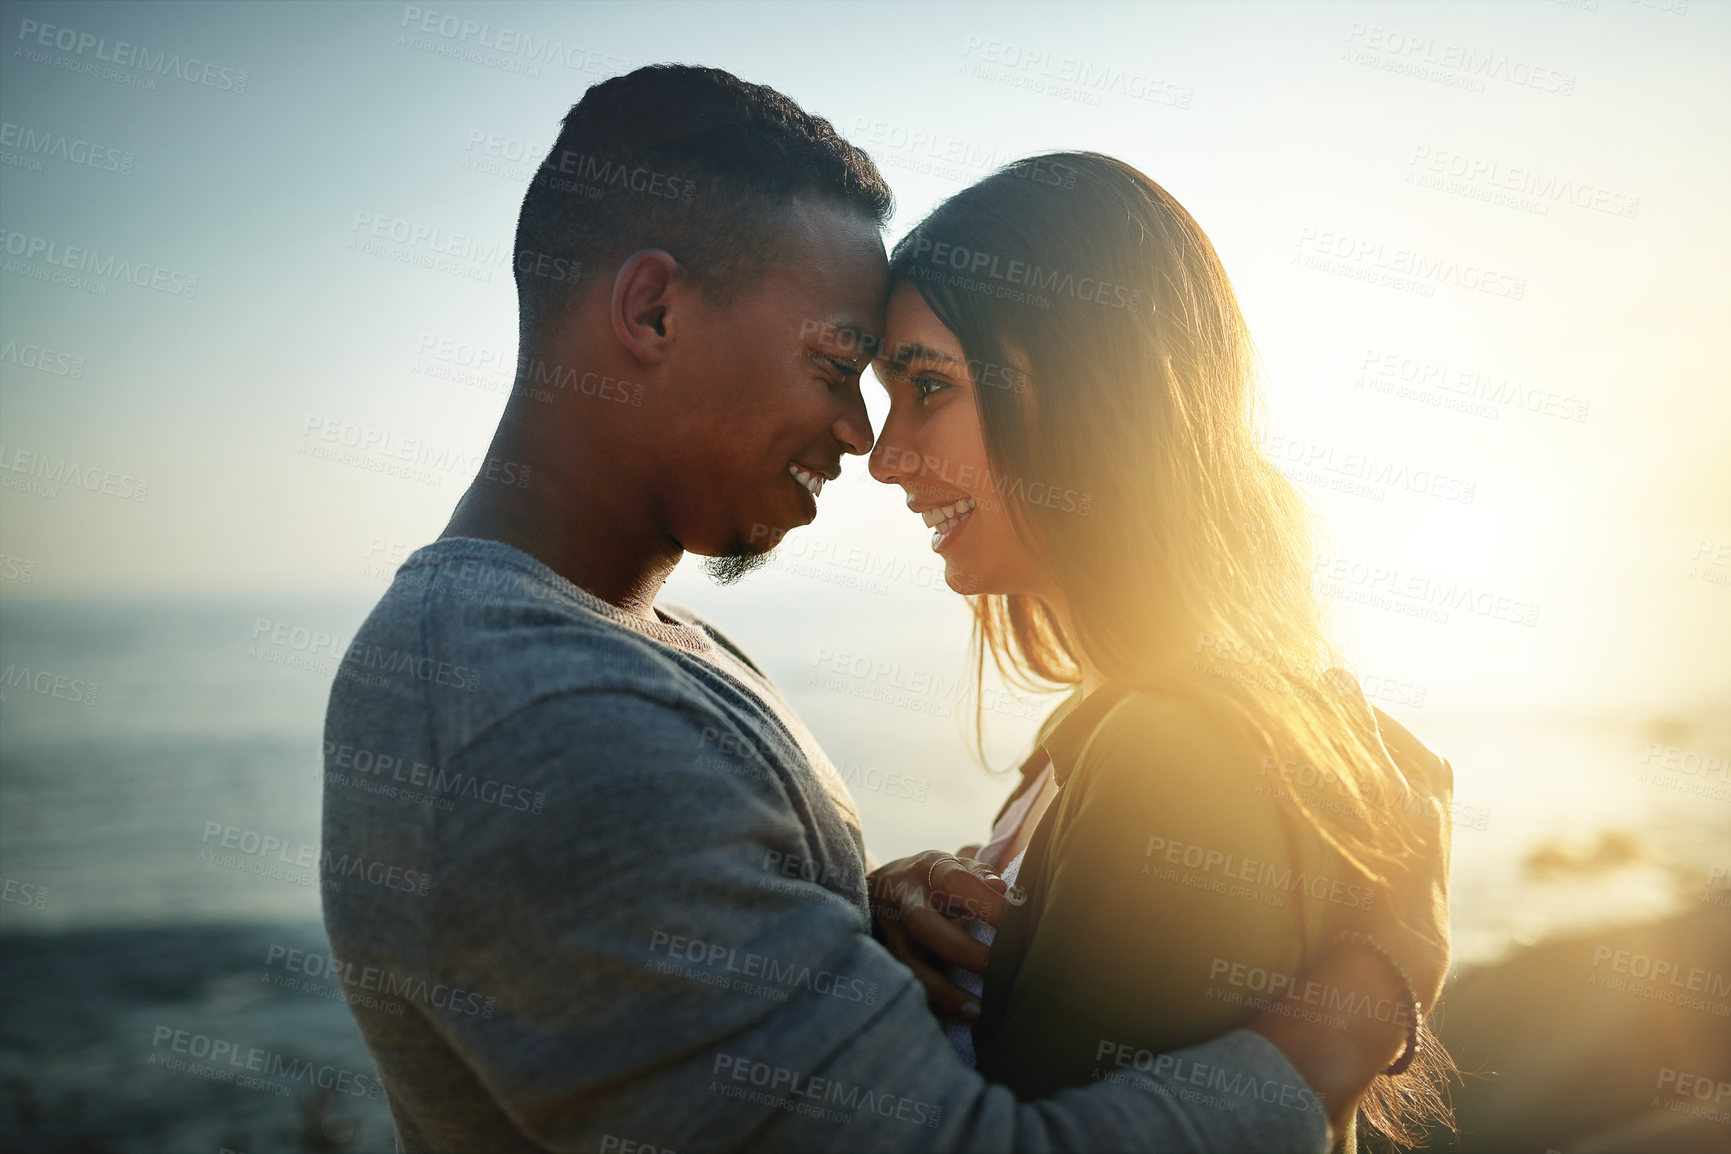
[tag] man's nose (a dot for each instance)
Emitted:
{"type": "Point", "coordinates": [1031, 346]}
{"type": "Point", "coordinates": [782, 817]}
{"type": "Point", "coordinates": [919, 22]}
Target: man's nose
{"type": "Point", "coordinates": [854, 427]}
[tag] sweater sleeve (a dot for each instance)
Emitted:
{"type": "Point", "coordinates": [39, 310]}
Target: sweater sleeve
{"type": "Point", "coordinates": [652, 979]}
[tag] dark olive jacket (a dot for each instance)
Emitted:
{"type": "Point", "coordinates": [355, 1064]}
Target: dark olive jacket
{"type": "Point", "coordinates": [1171, 884]}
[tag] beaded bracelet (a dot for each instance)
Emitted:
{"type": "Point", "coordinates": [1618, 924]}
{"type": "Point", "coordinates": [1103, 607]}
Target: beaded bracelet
{"type": "Point", "coordinates": [1412, 1026]}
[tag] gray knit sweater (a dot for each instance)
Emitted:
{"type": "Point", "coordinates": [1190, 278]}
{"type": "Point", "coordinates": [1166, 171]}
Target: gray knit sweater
{"type": "Point", "coordinates": [593, 887]}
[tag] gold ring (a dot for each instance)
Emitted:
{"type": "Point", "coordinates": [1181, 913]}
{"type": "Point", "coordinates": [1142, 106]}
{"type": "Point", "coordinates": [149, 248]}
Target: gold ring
{"type": "Point", "coordinates": [936, 864]}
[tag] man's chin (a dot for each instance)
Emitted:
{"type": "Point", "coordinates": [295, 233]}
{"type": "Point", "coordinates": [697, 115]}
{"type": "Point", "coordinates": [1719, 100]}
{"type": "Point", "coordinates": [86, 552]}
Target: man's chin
{"type": "Point", "coordinates": [745, 554]}
{"type": "Point", "coordinates": [729, 569]}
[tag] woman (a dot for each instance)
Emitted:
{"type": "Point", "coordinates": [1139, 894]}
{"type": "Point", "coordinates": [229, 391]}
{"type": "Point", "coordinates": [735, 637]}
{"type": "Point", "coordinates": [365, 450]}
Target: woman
{"type": "Point", "coordinates": [1214, 805]}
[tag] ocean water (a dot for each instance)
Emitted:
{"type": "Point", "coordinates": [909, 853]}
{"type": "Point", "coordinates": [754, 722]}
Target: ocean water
{"type": "Point", "coordinates": [160, 778]}
{"type": "Point", "coordinates": [206, 721]}
{"type": "Point", "coordinates": [108, 802]}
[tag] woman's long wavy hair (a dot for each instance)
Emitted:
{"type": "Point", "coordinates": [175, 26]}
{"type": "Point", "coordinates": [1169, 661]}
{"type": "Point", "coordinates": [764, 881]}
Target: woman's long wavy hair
{"type": "Point", "coordinates": [1132, 465]}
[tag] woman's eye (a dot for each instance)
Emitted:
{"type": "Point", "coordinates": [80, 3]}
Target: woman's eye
{"type": "Point", "coordinates": [927, 386]}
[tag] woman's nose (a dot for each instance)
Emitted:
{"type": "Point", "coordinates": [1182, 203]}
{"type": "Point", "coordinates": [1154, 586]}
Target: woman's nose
{"type": "Point", "coordinates": [890, 463]}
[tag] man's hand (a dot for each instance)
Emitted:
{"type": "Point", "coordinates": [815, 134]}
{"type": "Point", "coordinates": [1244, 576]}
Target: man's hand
{"type": "Point", "coordinates": [1411, 922]}
{"type": "Point", "coordinates": [920, 923]}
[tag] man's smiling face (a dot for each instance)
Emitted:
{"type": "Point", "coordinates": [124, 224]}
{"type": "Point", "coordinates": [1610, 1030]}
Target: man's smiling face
{"type": "Point", "coordinates": [769, 388]}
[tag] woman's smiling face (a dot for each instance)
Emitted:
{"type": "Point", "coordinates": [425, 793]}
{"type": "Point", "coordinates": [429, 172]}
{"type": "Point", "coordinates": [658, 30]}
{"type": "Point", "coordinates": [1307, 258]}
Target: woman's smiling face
{"type": "Point", "coordinates": [933, 446]}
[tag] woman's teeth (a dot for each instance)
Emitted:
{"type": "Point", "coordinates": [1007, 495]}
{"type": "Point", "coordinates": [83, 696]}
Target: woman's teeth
{"type": "Point", "coordinates": [948, 519]}
{"type": "Point", "coordinates": [806, 477]}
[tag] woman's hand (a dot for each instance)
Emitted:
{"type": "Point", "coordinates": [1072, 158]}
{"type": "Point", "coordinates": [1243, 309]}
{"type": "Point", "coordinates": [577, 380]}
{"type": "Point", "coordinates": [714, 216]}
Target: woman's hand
{"type": "Point", "coordinates": [918, 904]}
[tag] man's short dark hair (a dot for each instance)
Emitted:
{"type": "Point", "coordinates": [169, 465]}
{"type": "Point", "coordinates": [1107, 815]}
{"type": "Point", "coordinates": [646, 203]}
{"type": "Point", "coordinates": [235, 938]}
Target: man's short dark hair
{"type": "Point", "coordinates": [691, 160]}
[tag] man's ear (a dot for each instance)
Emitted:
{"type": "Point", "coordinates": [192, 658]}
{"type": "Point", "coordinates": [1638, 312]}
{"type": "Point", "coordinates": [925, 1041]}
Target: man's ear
{"type": "Point", "coordinates": [644, 293]}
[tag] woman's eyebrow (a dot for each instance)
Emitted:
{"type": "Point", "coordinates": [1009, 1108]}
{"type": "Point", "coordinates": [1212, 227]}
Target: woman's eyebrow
{"type": "Point", "coordinates": [905, 354]}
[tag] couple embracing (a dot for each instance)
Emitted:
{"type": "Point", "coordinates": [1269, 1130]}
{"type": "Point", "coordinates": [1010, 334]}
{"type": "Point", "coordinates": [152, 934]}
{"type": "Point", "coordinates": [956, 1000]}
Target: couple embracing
{"type": "Point", "coordinates": [1165, 943]}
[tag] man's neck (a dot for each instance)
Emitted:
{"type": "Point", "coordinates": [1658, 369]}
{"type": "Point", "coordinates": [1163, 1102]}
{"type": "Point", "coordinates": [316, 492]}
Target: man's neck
{"type": "Point", "coordinates": [593, 535]}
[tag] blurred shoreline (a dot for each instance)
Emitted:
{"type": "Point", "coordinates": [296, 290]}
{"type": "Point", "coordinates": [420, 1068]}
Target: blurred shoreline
{"type": "Point", "coordinates": [1561, 1045]}
{"type": "Point", "coordinates": [114, 1049]}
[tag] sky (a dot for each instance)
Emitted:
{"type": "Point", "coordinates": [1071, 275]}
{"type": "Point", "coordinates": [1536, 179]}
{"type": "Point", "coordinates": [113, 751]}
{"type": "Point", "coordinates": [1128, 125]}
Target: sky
{"type": "Point", "coordinates": [1482, 249]}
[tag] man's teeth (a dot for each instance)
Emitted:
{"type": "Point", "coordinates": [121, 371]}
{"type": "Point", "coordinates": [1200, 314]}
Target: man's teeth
{"type": "Point", "coordinates": [942, 521]}
{"type": "Point", "coordinates": [806, 477]}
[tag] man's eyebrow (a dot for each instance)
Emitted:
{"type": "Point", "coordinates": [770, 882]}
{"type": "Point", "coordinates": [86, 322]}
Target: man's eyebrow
{"type": "Point", "coordinates": [848, 365]}
{"type": "Point", "coordinates": [857, 342]}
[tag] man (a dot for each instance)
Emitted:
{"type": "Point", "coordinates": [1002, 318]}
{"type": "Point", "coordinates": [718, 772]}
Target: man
{"type": "Point", "coordinates": [621, 902]}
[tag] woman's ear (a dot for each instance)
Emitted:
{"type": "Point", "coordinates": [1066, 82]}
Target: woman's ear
{"type": "Point", "coordinates": [642, 305]}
